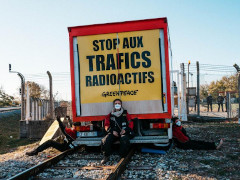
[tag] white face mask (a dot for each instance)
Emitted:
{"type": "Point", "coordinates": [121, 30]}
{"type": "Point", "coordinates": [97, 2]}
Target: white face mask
{"type": "Point", "coordinates": [178, 123]}
{"type": "Point", "coordinates": [117, 106]}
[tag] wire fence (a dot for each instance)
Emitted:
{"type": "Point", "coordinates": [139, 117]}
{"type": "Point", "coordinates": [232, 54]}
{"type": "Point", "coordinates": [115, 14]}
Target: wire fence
{"type": "Point", "coordinates": [208, 74]}
{"type": "Point", "coordinates": [61, 83]}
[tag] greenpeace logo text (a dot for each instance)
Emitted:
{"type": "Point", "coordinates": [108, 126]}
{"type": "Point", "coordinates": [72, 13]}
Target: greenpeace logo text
{"type": "Point", "coordinates": [120, 93]}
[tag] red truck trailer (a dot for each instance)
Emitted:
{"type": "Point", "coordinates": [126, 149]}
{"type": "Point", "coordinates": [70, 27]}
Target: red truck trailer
{"type": "Point", "coordinates": [125, 60]}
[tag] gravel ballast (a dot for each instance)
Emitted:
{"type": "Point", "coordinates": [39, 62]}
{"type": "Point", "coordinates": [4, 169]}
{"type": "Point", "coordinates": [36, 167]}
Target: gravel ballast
{"type": "Point", "coordinates": [176, 164]}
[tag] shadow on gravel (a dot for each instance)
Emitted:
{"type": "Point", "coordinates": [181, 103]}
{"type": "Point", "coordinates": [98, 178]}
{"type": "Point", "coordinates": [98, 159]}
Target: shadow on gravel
{"type": "Point", "coordinates": [195, 118]}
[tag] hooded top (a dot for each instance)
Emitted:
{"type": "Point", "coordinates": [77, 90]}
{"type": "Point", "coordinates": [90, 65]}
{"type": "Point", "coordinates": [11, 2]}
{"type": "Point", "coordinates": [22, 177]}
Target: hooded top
{"type": "Point", "coordinates": [179, 135]}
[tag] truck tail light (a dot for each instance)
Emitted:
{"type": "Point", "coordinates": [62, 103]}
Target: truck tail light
{"type": "Point", "coordinates": [84, 128]}
{"type": "Point", "coordinates": [159, 125]}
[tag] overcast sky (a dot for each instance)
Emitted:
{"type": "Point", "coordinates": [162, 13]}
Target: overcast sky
{"type": "Point", "coordinates": [34, 36]}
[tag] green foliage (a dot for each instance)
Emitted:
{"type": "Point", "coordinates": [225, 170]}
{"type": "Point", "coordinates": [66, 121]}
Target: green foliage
{"type": "Point", "coordinates": [223, 85]}
{"type": "Point", "coordinates": [5, 99]}
{"type": "Point", "coordinates": [36, 91]}
{"type": "Point", "coordinates": [227, 83]}
{"type": "Point", "coordinates": [203, 91]}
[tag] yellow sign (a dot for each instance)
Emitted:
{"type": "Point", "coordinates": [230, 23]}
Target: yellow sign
{"type": "Point", "coordinates": [50, 132]}
{"type": "Point", "coordinates": [120, 65]}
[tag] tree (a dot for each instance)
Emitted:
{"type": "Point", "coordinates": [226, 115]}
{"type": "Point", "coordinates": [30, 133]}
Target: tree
{"type": "Point", "coordinates": [203, 91]}
{"type": "Point", "coordinates": [232, 83]}
{"type": "Point", "coordinates": [36, 90]}
{"type": "Point", "coordinates": [213, 89]}
{"type": "Point", "coordinates": [5, 99]}
{"type": "Point", "coordinates": [227, 83]}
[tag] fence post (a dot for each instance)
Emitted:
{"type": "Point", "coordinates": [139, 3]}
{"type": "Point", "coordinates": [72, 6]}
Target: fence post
{"type": "Point", "coordinates": [229, 109]}
{"type": "Point", "coordinates": [51, 96]}
{"type": "Point", "coordinates": [41, 105]}
{"type": "Point", "coordinates": [238, 73]}
{"type": "Point", "coordinates": [32, 108]}
{"type": "Point", "coordinates": [183, 94]}
{"type": "Point", "coordinates": [188, 89]}
{"type": "Point", "coordinates": [37, 105]}
{"type": "Point", "coordinates": [198, 90]}
{"type": "Point", "coordinates": [178, 94]}
{"type": "Point", "coordinates": [238, 97]}
{"type": "Point", "coordinates": [22, 91]}
{"type": "Point", "coordinates": [40, 109]}
{"type": "Point", "coordinates": [28, 104]}
{"type": "Point", "coordinates": [44, 108]}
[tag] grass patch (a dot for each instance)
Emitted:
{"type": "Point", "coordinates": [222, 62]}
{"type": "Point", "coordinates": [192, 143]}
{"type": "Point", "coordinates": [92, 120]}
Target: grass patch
{"type": "Point", "coordinates": [9, 133]}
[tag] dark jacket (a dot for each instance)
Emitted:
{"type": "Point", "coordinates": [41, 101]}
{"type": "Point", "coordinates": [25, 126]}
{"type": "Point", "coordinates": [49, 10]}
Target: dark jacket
{"type": "Point", "coordinates": [209, 99]}
{"type": "Point", "coordinates": [118, 123]}
{"type": "Point", "coordinates": [220, 99]}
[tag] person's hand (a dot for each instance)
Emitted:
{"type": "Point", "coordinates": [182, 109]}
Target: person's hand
{"type": "Point", "coordinates": [58, 118]}
{"type": "Point", "coordinates": [115, 133]}
{"type": "Point", "coordinates": [122, 131]}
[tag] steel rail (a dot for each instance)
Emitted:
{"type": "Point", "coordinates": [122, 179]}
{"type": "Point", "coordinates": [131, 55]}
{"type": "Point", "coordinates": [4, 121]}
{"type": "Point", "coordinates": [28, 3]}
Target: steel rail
{"type": "Point", "coordinates": [9, 109]}
{"type": "Point", "coordinates": [120, 167]}
{"type": "Point", "coordinates": [35, 170]}
{"type": "Point", "coordinates": [40, 167]}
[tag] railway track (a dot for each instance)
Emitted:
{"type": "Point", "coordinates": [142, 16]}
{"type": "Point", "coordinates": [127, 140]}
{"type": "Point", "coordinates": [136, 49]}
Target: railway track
{"type": "Point", "coordinates": [73, 164]}
{"type": "Point", "coordinates": [9, 109]}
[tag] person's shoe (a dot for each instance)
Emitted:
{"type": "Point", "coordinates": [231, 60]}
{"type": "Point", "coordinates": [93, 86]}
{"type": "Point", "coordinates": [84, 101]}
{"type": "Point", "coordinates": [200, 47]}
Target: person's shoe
{"type": "Point", "coordinates": [220, 144]}
{"type": "Point", "coordinates": [32, 153]}
{"type": "Point", "coordinates": [105, 159]}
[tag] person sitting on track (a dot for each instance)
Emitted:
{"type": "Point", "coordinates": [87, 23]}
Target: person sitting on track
{"type": "Point", "coordinates": [119, 126]}
{"type": "Point", "coordinates": [183, 141]}
{"type": "Point", "coordinates": [70, 134]}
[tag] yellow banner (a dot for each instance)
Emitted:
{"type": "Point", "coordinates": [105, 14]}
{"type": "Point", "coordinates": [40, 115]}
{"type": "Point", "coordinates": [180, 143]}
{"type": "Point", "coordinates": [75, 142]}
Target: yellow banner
{"type": "Point", "coordinates": [120, 65]}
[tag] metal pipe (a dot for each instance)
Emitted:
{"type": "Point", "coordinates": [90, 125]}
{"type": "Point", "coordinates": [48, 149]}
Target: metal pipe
{"type": "Point", "coordinates": [22, 91]}
{"type": "Point", "coordinates": [51, 96]}
{"type": "Point", "coordinates": [22, 96]}
{"type": "Point", "coordinates": [238, 98]}
{"type": "Point", "coordinates": [198, 90]}
{"type": "Point", "coordinates": [188, 90]}
{"type": "Point", "coordinates": [238, 71]}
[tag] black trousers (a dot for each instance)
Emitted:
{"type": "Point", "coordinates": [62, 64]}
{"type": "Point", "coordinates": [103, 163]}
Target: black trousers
{"type": "Point", "coordinates": [209, 104]}
{"type": "Point", "coordinates": [51, 143]}
{"type": "Point", "coordinates": [108, 141]}
{"type": "Point", "coordinates": [220, 104]}
{"type": "Point", "coordinates": [196, 145]}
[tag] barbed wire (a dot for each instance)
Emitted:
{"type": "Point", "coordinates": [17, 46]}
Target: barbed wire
{"type": "Point", "coordinates": [211, 67]}
{"type": "Point", "coordinates": [64, 78]}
